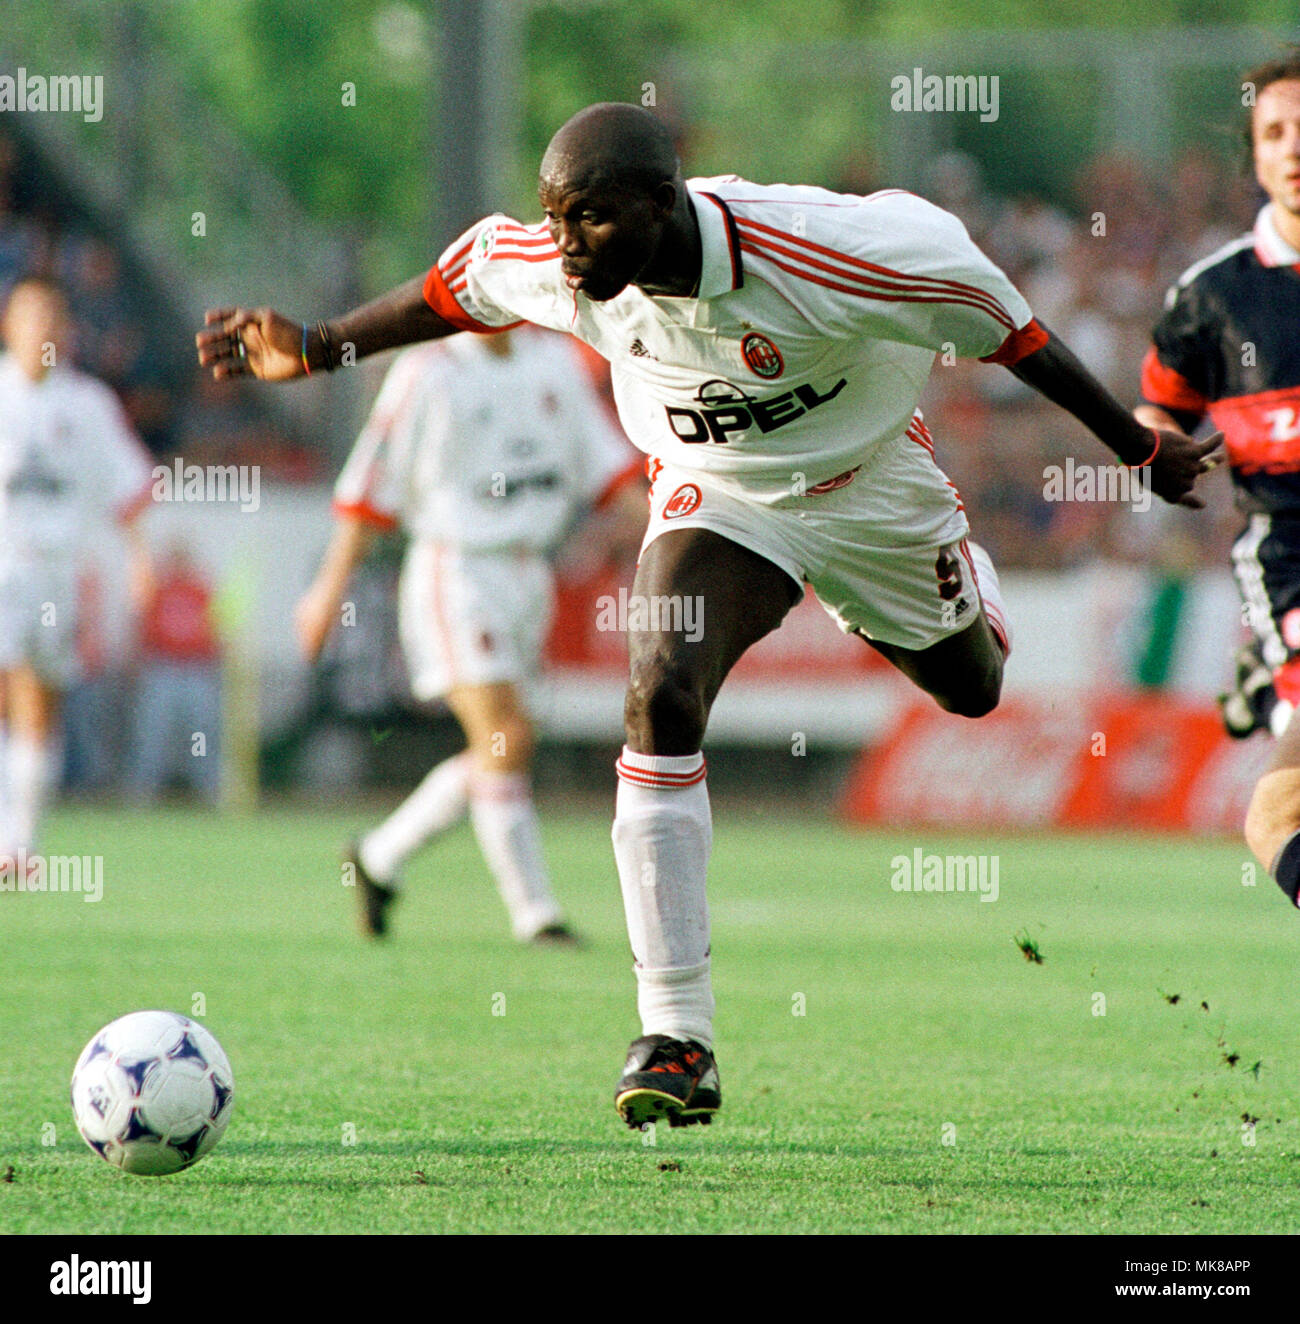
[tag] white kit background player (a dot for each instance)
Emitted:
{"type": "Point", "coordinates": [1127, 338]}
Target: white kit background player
{"type": "Point", "coordinates": [68, 458]}
{"type": "Point", "coordinates": [769, 345]}
{"type": "Point", "coordinates": [485, 449]}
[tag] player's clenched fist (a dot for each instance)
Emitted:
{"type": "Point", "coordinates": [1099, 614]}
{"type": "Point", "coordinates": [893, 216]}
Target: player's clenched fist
{"type": "Point", "coordinates": [1179, 462]}
{"type": "Point", "coordinates": [258, 342]}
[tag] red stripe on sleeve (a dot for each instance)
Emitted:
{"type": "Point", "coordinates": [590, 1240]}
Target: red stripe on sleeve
{"type": "Point", "coordinates": [1163, 386]}
{"type": "Point", "coordinates": [1029, 339]}
{"type": "Point", "coordinates": [366, 513]}
{"type": "Point", "coordinates": [443, 302]}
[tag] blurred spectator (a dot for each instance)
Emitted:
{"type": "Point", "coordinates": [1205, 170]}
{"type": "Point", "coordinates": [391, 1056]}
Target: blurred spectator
{"type": "Point", "coordinates": [178, 692]}
{"type": "Point", "coordinates": [117, 329]}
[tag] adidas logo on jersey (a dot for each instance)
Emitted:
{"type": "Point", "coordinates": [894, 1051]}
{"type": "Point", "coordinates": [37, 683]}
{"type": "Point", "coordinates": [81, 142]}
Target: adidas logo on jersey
{"type": "Point", "coordinates": [639, 351]}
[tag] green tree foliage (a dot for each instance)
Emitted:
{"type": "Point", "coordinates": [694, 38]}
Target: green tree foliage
{"type": "Point", "coordinates": [733, 74]}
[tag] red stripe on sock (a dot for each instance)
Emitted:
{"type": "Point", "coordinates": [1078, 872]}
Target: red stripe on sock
{"type": "Point", "coordinates": [664, 781]}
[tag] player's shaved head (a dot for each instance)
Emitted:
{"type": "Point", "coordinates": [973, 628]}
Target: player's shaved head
{"type": "Point", "coordinates": [618, 210]}
{"type": "Point", "coordinates": [611, 144]}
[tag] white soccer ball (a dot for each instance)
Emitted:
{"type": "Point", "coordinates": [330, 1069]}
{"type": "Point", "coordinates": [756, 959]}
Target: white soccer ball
{"type": "Point", "coordinates": [152, 1092]}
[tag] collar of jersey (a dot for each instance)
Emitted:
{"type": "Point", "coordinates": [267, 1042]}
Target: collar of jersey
{"type": "Point", "coordinates": [1271, 249]}
{"type": "Point", "coordinates": [721, 269]}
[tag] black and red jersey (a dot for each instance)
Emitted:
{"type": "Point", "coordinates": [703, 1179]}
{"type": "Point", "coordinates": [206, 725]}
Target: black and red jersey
{"type": "Point", "coordinates": [1228, 345]}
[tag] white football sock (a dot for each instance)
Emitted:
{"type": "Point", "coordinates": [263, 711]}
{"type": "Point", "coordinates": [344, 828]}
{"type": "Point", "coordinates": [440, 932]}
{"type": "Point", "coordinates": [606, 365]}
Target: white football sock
{"type": "Point", "coordinates": [31, 770]}
{"type": "Point", "coordinates": [505, 822]}
{"type": "Point", "coordinates": [663, 833]}
{"type": "Point", "coordinates": [986, 580]}
{"type": "Point", "coordinates": [437, 803]}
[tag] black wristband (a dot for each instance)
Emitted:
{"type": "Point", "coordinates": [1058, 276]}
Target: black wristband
{"type": "Point", "coordinates": [327, 346]}
{"type": "Point", "coordinates": [1286, 868]}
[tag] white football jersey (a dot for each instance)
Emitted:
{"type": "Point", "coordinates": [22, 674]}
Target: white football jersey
{"type": "Point", "coordinates": [816, 321]}
{"type": "Point", "coordinates": [484, 451]}
{"type": "Point", "coordinates": [68, 457]}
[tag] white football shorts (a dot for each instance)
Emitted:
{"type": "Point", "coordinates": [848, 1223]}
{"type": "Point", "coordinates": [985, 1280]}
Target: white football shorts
{"type": "Point", "coordinates": [38, 621]}
{"type": "Point", "coordinates": [869, 546]}
{"type": "Point", "coordinates": [472, 618]}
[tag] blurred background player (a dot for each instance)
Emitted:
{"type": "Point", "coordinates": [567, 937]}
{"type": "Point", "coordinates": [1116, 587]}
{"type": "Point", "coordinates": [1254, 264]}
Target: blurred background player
{"type": "Point", "coordinates": [68, 457]}
{"type": "Point", "coordinates": [484, 449]}
{"type": "Point", "coordinates": [1227, 347]}
{"type": "Point", "coordinates": [178, 682]}
{"type": "Point", "coordinates": [1248, 294]}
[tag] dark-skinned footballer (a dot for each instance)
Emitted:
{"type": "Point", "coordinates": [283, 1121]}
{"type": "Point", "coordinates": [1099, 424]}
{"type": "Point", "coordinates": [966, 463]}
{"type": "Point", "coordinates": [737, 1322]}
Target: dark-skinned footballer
{"type": "Point", "coordinates": [768, 346]}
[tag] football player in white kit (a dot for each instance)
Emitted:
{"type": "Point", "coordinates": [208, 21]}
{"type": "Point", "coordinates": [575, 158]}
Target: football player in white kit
{"type": "Point", "coordinates": [769, 345]}
{"type": "Point", "coordinates": [68, 458]}
{"type": "Point", "coordinates": [485, 449]}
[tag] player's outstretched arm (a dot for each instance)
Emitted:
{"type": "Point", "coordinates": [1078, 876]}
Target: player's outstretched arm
{"type": "Point", "coordinates": [259, 342]}
{"type": "Point", "coordinates": [1176, 460]}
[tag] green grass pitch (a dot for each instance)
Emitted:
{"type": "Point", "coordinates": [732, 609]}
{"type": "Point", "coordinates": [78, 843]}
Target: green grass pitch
{"type": "Point", "coordinates": [936, 1080]}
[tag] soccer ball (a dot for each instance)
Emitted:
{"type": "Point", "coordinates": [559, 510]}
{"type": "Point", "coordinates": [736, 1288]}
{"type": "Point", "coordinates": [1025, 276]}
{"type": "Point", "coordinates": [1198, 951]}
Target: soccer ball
{"type": "Point", "coordinates": [152, 1093]}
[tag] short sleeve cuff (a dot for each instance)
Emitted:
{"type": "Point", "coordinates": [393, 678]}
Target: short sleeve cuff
{"type": "Point", "coordinates": [366, 514]}
{"type": "Point", "coordinates": [443, 302]}
{"type": "Point", "coordinates": [1029, 339]}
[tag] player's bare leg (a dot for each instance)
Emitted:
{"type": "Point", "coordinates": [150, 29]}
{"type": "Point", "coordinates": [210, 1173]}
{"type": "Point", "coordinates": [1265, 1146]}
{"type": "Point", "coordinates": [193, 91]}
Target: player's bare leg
{"type": "Point", "coordinates": [490, 780]}
{"type": "Point", "coordinates": [962, 673]}
{"type": "Point", "coordinates": [31, 714]}
{"type": "Point", "coordinates": [1273, 819]}
{"type": "Point", "coordinates": [662, 825]}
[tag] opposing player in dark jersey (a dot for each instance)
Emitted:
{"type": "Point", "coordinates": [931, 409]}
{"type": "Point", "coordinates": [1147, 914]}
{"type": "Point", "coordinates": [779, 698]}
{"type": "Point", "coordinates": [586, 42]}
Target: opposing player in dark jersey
{"type": "Point", "coordinates": [769, 345]}
{"type": "Point", "coordinates": [1228, 346]}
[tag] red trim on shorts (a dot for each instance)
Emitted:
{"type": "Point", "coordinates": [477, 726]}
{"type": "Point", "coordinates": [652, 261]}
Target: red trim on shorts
{"type": "Point", "coordinates": [995, 619]}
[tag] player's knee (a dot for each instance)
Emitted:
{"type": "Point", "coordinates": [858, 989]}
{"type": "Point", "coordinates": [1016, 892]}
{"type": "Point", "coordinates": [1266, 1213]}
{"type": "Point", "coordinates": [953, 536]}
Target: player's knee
{"type": "Point", "coordinates": [977, 697]}
{"type": "Point", "coordinates": [1274, 814]}
{"type": "Point", "coordinates": [664, 710]}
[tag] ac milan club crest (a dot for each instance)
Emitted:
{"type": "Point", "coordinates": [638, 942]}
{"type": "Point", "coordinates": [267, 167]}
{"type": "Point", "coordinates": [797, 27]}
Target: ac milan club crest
{"type": "Point", "coordinates": [686, 499]}
{"type": "Point", "coordinates": [762, 356]}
